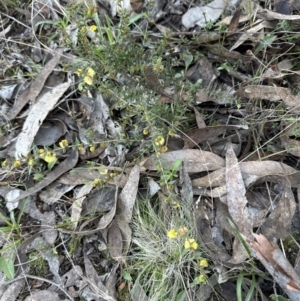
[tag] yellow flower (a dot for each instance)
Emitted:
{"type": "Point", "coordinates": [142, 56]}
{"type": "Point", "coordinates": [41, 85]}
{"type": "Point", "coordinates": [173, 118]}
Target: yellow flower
{"type": "Point", "coordinates": [92, 149]}
{"type": "Point", "coordinates": [103, 171]}
{"type": "Point", "coordinates": [4, 163]}
{"type": "Point", "coordinates": [63, 143]}
{"type": "Point", "coordinates": [97, 182]}
{"type": "Point", "coordinates": [172, 233]}
{"type": "Point", "coordinates": [50, 157]}
{"type": "Point", "coordinates": [112, 174]}
{"type": "Point", "coordinates": [201, 278]}
{"type": "Point", "coordinates": [159, 141]}
{"type": "Point", "coordinates": [17, 163]}
{"type": "Point", "coordinates": [182, 231]}
{"type": "Point", "coordinates": [158, 166]}
{"type": "Point", "coordinates": [80, 147]}
{"type": "Point", "coordinates": [41, 151]}
{"type": "Point", "coordinates": [78, 72]}
{"type": "Point", "coordinates": [88, 80]}
{"type": "Point", "coordinates": [30, 161]}
{"type": "Point", "coordinates": [145, 132]}
{"type": "Point", "coordinates": [171, 133]}
{"type": "Point", "coordinates": [158, 66]}
{"type": "Point", "coordinates": [90, 72]}
{"type": "Point", "coordinates": [164, 149]}
{"type": "Point", "coordinates": [203, 263]}
{"type": "Point", "coordinates": [83, 29]}
{"type": "Point", "coordinates": [191, 244]}
{"type": "Point", "coordinates": [175, 205]}
{"type": "Point", "coordinates": [93, 28]}
{"type": "Point", "coordinates": [170, 186]}
{"type": "Point", "coordinates": [92, 10]}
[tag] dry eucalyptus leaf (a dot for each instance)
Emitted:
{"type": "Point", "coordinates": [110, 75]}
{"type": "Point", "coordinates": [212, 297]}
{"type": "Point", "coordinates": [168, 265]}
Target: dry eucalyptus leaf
{"type": "Point", "coordinates": [202, 15]}
{"type": "Point", "coordinates": [279, 222]}
{"type": "Point", "coordinates": [35, 87]}
{"type": "Point", "coordinates": [261, 92]}
{"type": "Point", "coordinates": [97, 288]}
{"type": "Point", "coordinates": [270, 15]}
{"type": "Point", "coordinates": [54, 192]}
{"type": "Point", "coordinates": [125, 206]}
{"type": "Point", "coordinates": [63, 167]}
{"type": "Point", "coordinates": [202, 70]}
{"type": "Point", "coordinates": [72, 276]}
{"type": "Point", "coordinates": [291, 145]}
{"type": "Point", "coordinates": [236, 199]}
{"type": "Point", "coordinates": [194, 160]}
{"type": "Point", "coordinates": [13, 290]}
{"type": "Point", "coordinates": [37, 114]}
{"type": "Point", "coordinates": [284, 7]}
{"type": "Point", "coordinates": [48, 254]}
{"type": "Point", "coordinates": [128, 194]}
{"type": "Point", "coordinates": [114, 241]}
{"type": "Point", "coordinates": [49, 221]}
{"type": "Point", "coordinates": [199, 119]}
{"type": "Point", "coordinates": [277, 265]}
{"type": "Point", "coordinates": [250, 34]}
{"type": "Point", "coordinates": [239, 254]}
{"type": "Point", "coordinates": [44, 295]}
{"type": "Point", "coordinates": [252, 171]}
{"type": "Point", "coordinates": [209, 133]}
{"type": "Point", "coordinates": [76, 207]}
{"type": "Point", "coordinates": [138, 293]}
{"type": "Point", "coordinates": [49, 132]}
{"type": "Point", "coordinates": [99, 201]}
{"type": "Point", "coordinates": [136, 5]}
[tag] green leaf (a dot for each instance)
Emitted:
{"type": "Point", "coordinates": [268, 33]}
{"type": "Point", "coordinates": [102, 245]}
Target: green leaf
{"type": "Point", "coordinates": [278, 298]}
{"type": "Point", "coordinates": [46, 22]}
{"type": "Point", "coordinates": [127, 276]}
{"type": "Point", "coordinates": [176, 165]}
{"type": "Point", "coordinates": [239, 287]}
{"type": "Point", "coordinates": [38, 176]}
{"type": "Point", "coordinates": [188, 58]}
{"type": "Point", "coordinates": [7, 267]}
{"type": "Point", "coordinates": [136, 18]}
{"type": "Point", "coordinates": [181, 296]}
{"type": "Point", "coordinates": [251, 290]}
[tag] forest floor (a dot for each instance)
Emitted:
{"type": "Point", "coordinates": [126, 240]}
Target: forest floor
{"type": "Point", "coordinates": [149, 150]}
